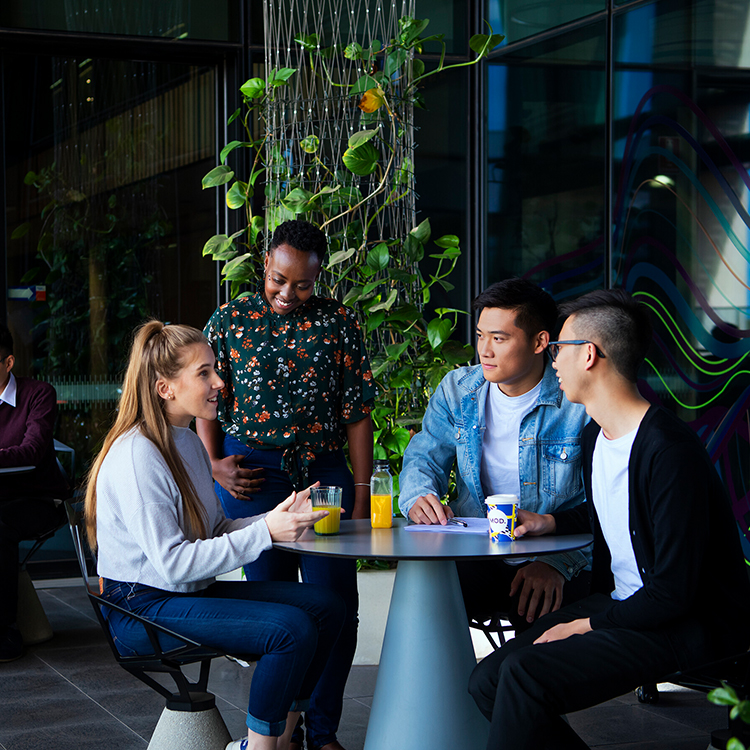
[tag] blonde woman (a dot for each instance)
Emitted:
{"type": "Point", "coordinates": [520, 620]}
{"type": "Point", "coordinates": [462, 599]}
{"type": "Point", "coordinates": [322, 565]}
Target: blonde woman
{"type": "Point", "coordinates": [161, 536]}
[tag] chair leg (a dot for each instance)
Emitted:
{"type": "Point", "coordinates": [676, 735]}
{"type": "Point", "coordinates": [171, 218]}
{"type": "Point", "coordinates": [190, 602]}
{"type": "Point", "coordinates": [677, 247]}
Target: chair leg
{"type": "Point", "coordinates": [31, 619]}
{"type": "Point", "coordinates": [183, 730]}
{"type": "Point", "coordinates": [647, 693]}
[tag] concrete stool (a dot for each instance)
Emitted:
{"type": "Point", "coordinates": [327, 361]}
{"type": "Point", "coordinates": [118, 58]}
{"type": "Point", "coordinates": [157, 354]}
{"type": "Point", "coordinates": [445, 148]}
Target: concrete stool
{"type": "Point", "coordinates": [31, 620]}
{"type": "Point", "coordinates": [190, 726]}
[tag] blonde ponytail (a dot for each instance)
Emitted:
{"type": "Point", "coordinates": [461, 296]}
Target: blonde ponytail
{"type": "Point", "coordinates": [157, 352]}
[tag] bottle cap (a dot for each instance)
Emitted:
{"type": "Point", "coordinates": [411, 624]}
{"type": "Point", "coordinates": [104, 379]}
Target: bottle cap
{"type": "Point", "coordinates": [382, 464]}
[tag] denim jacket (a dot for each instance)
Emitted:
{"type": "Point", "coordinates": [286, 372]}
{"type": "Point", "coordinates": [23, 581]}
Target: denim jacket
{"type": "Point", "coordinates": [549, 452]}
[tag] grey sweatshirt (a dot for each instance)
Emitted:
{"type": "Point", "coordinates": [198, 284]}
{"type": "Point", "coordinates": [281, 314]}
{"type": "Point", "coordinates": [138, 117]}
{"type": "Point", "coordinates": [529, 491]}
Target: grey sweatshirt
{"type": "Point", "coordinates": [140, 519]}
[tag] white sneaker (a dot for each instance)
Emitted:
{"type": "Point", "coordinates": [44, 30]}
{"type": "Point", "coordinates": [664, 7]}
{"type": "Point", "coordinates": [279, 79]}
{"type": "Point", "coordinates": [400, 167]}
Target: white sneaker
{"type": "Point", "coordinates": [241, 662]}
{"type": "Point", "coordinates": [237, 744]}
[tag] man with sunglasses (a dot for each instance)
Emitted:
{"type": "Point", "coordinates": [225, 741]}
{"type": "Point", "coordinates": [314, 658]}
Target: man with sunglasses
{"type": "Point", "coordinates": [27, 418]}
{"type": "Point", "coordinates": [506, 428]}
{"type": "Point", "coordinates": [669, 589]}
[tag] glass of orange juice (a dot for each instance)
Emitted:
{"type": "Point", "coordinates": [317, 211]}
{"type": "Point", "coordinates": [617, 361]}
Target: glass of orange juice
{"type": "Point", "coordinates": [327, 498]}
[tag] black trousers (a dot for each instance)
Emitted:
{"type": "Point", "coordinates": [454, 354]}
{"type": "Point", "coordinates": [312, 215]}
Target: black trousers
{"type": "Point", "coordinates": [485, 585]}
{"type": "Point", "coordinates": [20, 519]}
{"type": "Point", "coordinates": [524, 689]}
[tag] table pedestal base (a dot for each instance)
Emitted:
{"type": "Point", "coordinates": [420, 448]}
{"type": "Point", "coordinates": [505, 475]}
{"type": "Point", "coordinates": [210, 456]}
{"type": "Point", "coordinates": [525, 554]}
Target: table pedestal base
{"type": "Point", "coordinates": [421, 698]}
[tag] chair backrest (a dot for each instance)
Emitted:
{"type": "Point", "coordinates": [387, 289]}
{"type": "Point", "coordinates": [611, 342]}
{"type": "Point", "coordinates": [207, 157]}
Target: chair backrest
{"type": "Point", "coordinates": [68, 474]}
{"type": "Point", "coordinates": [62, 448]}
{"type": "Point", "coordinates": [190, 696]}
{"type": "Point", "coordinates": [39, 539]}
{"type": "Point", "coordinates": [75, 521]}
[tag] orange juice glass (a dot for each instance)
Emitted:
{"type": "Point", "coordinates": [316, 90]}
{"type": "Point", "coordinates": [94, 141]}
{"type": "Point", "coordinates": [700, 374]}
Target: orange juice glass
{"type": "Point", "coordinates": [327, 498]}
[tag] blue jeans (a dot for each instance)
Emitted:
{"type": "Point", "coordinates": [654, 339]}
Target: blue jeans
{"type": "Point", "coordinates": [327, 700]}
{"type": "Point", "coordinates": [292, 627]}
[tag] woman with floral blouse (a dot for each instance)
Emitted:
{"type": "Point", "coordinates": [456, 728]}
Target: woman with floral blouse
{"type": "Point", "coordinates": [298, 387]}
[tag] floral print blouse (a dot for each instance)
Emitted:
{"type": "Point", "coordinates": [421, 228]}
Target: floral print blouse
{"type": "Point", "coordinates": [291, 382]}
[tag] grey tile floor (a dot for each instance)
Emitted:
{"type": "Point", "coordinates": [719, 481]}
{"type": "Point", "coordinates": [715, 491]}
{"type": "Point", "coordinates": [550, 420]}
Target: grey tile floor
{"type": "Point", "coordinates": [68, 694]}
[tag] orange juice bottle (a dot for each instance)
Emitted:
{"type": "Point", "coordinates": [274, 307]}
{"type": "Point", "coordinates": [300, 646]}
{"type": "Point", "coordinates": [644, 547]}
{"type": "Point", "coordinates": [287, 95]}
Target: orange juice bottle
{"type": "Point", "coordinates": [381, 496]}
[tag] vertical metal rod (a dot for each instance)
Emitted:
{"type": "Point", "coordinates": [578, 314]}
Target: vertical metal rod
{"type": "Point", "coordinates": [608, 147]}
{"type": "Point", "coordinates": [3, 206]}
{"type": "Point", "coordinates": [476, 210]}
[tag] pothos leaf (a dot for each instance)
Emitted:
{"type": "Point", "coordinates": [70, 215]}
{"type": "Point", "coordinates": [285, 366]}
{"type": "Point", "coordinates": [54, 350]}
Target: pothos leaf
{"type": "Point", "coordinates": [362, 160]}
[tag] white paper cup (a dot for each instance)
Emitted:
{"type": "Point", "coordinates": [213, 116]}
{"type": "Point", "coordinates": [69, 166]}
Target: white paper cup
{"type": "Point", "coordinates": [501, 512]}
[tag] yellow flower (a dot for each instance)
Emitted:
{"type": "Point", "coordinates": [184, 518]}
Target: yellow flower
{"type": "Point", "coordinates": [372, 100]}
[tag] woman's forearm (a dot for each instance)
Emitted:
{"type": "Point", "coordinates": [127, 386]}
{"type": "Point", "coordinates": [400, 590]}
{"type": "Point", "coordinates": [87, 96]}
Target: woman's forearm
{"type": "Point", "coordinates": [359, 437]}
{"type": "Point", "coordinates": [212, 437]}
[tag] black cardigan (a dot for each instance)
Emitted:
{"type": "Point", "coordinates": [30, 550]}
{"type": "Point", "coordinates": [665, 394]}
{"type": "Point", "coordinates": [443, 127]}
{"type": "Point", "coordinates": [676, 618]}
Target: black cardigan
{"type": "Point", "coordinates": [686, 542]}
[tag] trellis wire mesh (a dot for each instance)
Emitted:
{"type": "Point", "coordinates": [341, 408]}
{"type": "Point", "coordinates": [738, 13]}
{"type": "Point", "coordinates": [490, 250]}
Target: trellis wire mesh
{"type": "Point", "coordinates": [316, 102]}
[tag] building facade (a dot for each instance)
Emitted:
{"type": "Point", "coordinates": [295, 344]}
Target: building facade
{"type": "Point", "coordinates": [604, 143]}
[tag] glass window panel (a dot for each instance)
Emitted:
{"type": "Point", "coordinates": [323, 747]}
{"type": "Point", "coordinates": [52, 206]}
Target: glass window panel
{"type": "Point", "coordinates": [520, 19]}
{"type": "Point", "coordinates": [106, 219]}
{"type": "Point", "coordinates": [174, 19]}
{"type": "Point", "coordinates": [681, 234]}
{"type": "Point", "coordinates": [440, 168]}
{"type": "Point", "coordinates": [447, 17]}
{"type": "Point", "coordinates": [674, 32]}
{"type": "Point", "coordinates": [546, 165]}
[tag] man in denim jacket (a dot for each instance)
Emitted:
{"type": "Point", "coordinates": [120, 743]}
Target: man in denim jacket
{"type": "Point", "coordinates": [508, 429]}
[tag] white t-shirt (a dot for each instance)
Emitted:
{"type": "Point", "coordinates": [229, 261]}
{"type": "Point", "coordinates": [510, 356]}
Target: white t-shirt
{"type": "Point", "coordinates": [609, 486]}
{"type": "Point", "coordinates": [503, 415]}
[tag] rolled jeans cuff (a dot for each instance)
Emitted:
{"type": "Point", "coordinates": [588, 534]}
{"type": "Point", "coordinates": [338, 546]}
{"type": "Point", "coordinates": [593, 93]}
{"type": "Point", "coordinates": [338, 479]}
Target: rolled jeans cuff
{"type": "Point", "coordinates": [266, 728]}
{"type": "Point", "coordinates": [275, 728]}
{"type": "Point", "coordinates": [301, 704]}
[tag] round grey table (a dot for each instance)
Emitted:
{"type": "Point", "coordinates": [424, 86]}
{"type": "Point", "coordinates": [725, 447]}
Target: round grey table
{"type": "Point", "coordinates": [17, 469]}
{"type": "Point", "coordinates": [421, 698]}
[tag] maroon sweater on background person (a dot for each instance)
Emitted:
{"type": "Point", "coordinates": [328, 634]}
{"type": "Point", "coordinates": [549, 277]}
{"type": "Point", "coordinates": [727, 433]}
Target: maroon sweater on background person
{"type": "Point", "coordinates": [26, 439]}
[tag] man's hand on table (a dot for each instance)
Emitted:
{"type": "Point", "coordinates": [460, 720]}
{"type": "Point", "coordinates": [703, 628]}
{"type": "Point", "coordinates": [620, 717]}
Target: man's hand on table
{"type": "Point", "coordinates": [534, 524]}
{"type": "Point", "coordinates": [428, 509]}
{"type": "Point", "coordinates": [541, 588]}
{"type": "Point", "coordinates": [564, 630]}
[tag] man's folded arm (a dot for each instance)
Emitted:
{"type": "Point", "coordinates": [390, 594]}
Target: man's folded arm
{"type": "Point", "coordinates": [38, 437]}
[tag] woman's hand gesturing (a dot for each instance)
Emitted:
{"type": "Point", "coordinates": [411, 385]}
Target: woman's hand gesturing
{"type": "Point", "coordinates": [292, 516]}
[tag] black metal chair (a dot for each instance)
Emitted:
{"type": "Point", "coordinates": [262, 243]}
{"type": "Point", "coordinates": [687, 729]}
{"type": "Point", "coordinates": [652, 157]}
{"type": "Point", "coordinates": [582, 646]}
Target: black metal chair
{"type": "Point", "coordinates": [734, 671]}
{"type": "Point", "coordinates": [190, 719]}
{"type": "Point", "coordinates": [31, 619]}
{"type": "Point", "coordinates": [493, 626]}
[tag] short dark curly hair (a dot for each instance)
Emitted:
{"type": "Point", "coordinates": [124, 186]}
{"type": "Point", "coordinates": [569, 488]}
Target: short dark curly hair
{"type": "Point", "coordinates": [302, 236]}
{"type": "Point", "coordinates": [6, 342]}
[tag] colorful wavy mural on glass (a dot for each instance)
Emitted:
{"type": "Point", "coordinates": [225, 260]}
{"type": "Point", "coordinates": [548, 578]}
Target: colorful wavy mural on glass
{"type": "Point", "coordinates": [700, 365]}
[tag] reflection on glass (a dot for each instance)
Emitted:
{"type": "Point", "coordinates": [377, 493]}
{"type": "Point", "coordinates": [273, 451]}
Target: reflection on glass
{"type": "Point", "coordinates": [675, 32]}
{"type": "Point", "coordinates": [174, 19]}
{"type": "Point", "coordinates": [519, 19]}
{"type": "Point", "coordinates": [681, 234]}
{"type": "Point", "coordinates": [546, 166]}
{"type": "Point", "coordinates": [440, 168]}
{"type": "Point", "coordinates": [106, 219]}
